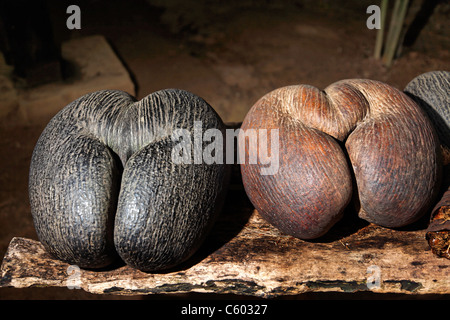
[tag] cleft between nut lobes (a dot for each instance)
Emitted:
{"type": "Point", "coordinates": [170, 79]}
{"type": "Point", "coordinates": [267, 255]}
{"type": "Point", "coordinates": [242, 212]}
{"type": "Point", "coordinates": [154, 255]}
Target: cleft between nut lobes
{"type": "Point", "coordinates": [392, 149]}
{"type": "Point", "coordinates": [102, 183]}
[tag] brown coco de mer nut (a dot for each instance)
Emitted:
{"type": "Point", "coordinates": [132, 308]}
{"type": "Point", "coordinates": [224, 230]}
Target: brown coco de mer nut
{"type": "Point", "coordinates": [357, 137]}
{"type": "Point", "coordinates": [431, 90]}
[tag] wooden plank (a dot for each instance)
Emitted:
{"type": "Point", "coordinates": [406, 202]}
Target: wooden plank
{"type": "Point", "coordinates": [244, 255]}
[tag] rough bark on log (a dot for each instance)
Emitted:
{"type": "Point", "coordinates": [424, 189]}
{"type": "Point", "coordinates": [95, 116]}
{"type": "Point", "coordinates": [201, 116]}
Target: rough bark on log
{"type": "Point", "coordinates": [438, 231]}
{"type": "Point", "coordinates": [245, 255]}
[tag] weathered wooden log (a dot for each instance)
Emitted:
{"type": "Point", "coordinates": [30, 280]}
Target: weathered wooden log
{"type": "Point", "coordinates": [391, 164]}
{"type": "Point", "coordinates": [438, 232]}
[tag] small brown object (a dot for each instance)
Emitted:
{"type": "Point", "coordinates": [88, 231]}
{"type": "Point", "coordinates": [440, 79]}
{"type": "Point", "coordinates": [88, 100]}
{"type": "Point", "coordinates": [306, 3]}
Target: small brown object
{"type": "Point", "coordinates": [438, 232]}
{"type": "Point", "coordinates": [257, 262]}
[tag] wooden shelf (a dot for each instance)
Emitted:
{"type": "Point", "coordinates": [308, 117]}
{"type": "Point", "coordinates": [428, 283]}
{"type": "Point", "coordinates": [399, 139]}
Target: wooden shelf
{"type": "Point", "coordinates": [244, 255]}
